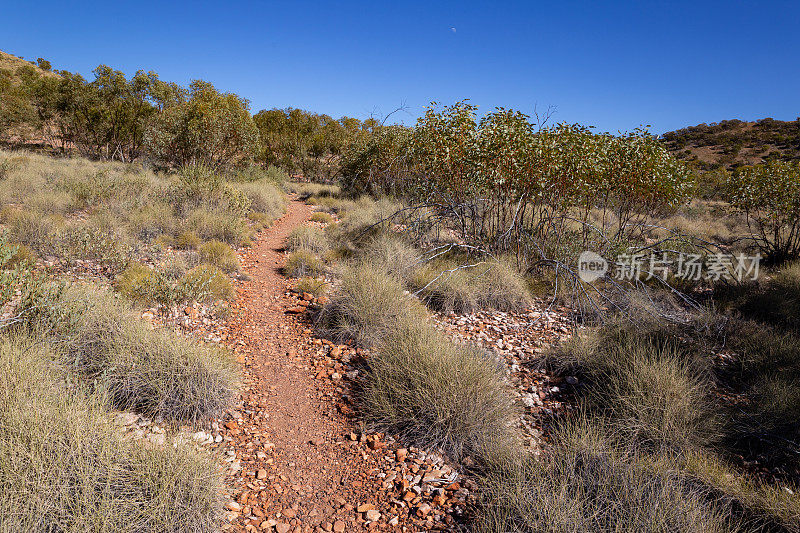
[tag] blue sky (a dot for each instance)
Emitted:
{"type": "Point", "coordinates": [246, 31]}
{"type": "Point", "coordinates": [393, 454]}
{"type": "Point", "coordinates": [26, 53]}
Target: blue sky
{"type": "Point", "coordinates": [614, 65]}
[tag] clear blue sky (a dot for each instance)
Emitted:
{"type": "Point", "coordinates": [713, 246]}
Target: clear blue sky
{"type": "Point", "coordinates": [615, 65]}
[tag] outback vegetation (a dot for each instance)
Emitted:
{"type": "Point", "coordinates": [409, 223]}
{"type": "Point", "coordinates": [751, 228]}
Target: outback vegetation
{"type": "Point", "coordinates": [678, 398]}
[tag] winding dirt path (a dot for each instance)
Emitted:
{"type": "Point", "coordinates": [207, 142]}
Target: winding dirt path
{"type": "Point", "coordinates": [294, 463]}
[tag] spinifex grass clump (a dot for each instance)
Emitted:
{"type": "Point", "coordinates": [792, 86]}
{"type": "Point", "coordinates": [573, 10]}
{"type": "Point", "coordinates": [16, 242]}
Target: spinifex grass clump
{"type": "Point", "coordinates": [63, 467]}
{"type": "Point", "coordinates": [153, 372]}
{"type": "Point", "coordinates": [418, 383]}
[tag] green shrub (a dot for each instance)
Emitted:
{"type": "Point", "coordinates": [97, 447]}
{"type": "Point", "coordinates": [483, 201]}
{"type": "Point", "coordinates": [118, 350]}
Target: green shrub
{"type": "Point", "coordinates": [95, 243]}
{"type": "Point", "coordinates": [769, 196]}
{"type": "Point", "coordinates": [220, 255]}
{"type": "Point", "coordinates": [307, 238]}
{"type": "Point", "coordinates": [22, 254]}
{"type": "Point", "coordinates": [302, 263]}
{"type": "Point", "coordinates": [314, 286]}
{"type": "Point", "coordinates": [206, 283]}
{"type": "Point", "coordinates": [64, 468]}
{"type": "Point", "coordinates": [319, 216]}
{"type": "Point", "coordinates": [174, 267]}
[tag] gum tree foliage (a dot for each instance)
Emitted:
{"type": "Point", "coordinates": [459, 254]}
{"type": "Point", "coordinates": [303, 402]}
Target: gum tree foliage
{"type": "Point", "coordinates": [308, 143]}
{"type": "Point", "coordinates": [505, 184]}
{"type": "Point", "coordinates": [104, 118]}
{"type": "Point", "coordinates": [208, 127]}
{"type": "Point", "coordinates": [769, 196]}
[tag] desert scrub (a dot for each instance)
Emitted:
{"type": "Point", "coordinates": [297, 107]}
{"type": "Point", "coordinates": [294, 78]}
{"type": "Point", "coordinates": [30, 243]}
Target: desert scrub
{"type": "Point", "coordinates": [314, 286]}
{"type": "Point", "coordinates": [438, 394]}
{"type": "Point", "coordinates": [221, 226]}
{"type": "Point", "coordinates": [220, 255]}
{"type": "Point", "coordinates": [153, 372]}
{"type": "Point", "coordinates": [265, 198]}
{"type": "Point", "coordinates": [319, 216]}
{"type": "Point", "coordinates": [308, 238]}
{"type": "Point", "coordinates": [395, 255]}
{"type": "Point", "coordinates": [588, 482]}
{"type": "Point", "coordinates": [187, 240]}
{"type": "Point", "coordinates": [144, 285]}
{"type": "Point", "coordinates": [63, 467]}
{"type": "Point", "coordinates": [307, 190]}
{"type": "Point", "coordinates": [206, 283]}
{"type": "Point", "coordinates": [302, 263]}
{"type": "Point", "coordinates": [366, 306]}
{"type": "Point", "coordinates": [452, 287]}
{"type": "Point", "coordinates": [651, 387]}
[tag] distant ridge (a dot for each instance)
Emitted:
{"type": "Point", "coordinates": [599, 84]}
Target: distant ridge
{"type": "Point", "coordinates": [733, 143]}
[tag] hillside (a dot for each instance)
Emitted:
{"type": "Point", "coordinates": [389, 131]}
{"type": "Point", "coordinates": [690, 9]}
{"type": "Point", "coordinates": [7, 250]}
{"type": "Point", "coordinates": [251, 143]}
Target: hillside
{"type": "Point", "coordinates": [12, 63]}
{"type": "Point", "coordinates": [733, 143]}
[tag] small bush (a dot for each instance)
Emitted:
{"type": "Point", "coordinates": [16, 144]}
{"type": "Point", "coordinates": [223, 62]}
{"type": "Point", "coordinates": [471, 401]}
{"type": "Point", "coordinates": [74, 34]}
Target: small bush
{"type": "Point", "coordinates": [307, 238]}
{"type": "Point", "coordinates": [366, 306]}
{"type": "Point", "coordinates": [319, 216]}
{"type": "Point", "coordinates": [153, 372]}
{"type": "Point", "coordinates": [206, 283]}
{"type": "Point", "coordinates": [64, 468]}
{"type": "Point", "coordinates": [174, 267]}
{"type": "Point", "coordinates": [220, 255]}
{"type": "Point", "coordinates": [449, 288]}
{"type": "Point", "coordinates": [145, 285]}
{"type": "Point", "coordinates": [187, 240]}
{"type": "Point", "coordinates": [22, 254]}
{"type": "Point", "coordinates": [302, 263]}
{"type": "Point", "coordinates": [314, 286]}
{"type": "Point", "coordinates": [95, 243]}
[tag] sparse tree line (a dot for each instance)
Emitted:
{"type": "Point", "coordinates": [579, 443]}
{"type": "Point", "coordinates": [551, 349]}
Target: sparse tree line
{"type": "Point", "coordinates": [505, 182]}
{"type": "Point", "coordinates": [113, 117]}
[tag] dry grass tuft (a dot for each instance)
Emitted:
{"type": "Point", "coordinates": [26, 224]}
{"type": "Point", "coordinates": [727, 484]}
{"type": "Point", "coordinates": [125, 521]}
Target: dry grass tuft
{"type": "Point", "coordinates": [319, 216]}
{"type": "Point", "coordinates": [302, 263]}
{"type": "Point", "coordinates": [220, 255]}
{"type": "Point", "coordinates": [450, 288]}
{"type": "Point", "coordinates": [588, 482]}
{"type": "Point", "coordinates": [64, 468]}
{"type": "Point", "coordinates": [307, 238]}
{"type": "Point", "coordinates": [153, 372]}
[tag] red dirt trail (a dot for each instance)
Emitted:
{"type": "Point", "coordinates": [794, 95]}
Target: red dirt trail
{"type": "Point", "coordinates": [300, 470]}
